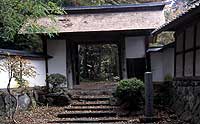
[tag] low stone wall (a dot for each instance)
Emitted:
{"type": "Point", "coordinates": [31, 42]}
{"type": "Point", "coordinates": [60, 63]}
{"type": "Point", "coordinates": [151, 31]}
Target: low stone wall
{"type": "Point", "coordinates": [186, 100]}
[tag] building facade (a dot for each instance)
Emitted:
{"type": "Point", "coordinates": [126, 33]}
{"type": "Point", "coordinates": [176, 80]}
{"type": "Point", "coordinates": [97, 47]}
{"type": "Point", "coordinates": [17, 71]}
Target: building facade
{"type": "Point", "coordinates": [186, 101]}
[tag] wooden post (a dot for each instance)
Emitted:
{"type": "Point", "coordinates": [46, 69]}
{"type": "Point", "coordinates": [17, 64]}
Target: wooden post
{"type": "Point", "coordinates": [120, 60]}
{"type": "Point", "coordinates": [148, 95]}
{"type": "Point", "coordinates": [77, 65]}
{"type": "Point", "coordinates": [123, 58]}
{"type": "Point", "coordinates": [69, 65]}
{"type": "Point", "coordinates": [44, 42]}
{"type": "Point", "coordinates": [148, 39]}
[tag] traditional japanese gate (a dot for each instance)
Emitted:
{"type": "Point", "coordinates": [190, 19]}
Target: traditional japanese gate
{"type": "Point", "coordinates": [128, 26]}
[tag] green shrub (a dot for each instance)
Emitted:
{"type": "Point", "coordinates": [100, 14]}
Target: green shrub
{"type": "Point", "coordinates": [56, 79]}
{"type": "Point", "coordinates": [130, 91]}
{"type": "Point", "coordinates": [168, 77]}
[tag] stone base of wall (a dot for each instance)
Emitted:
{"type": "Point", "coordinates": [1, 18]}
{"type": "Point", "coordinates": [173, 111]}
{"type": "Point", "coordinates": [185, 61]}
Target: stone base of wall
{"type": "Point", "coordinates": [186, 100]}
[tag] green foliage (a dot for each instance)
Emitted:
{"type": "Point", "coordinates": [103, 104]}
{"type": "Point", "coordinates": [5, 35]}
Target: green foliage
{"type": "Point", "coordinates": [130, 91]}
{"type": "Point", "coordinates": [22, 82]}
{"type": "Point", "coordinates": [98, 62]}
{"type": "Point", "coordinates": [15, 13]}
{"type": "Point", "coordinates": [56, 79]}
{"type": "Point", "coordinates": [168, 77]}
{"type": "Point", "coordinates": [19, 69]}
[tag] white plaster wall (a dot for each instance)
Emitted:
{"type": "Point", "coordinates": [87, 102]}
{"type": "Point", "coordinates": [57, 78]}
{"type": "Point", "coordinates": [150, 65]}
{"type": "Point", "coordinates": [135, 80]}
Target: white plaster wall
{"type": "Point", "coordinates": [39, 80]}
{"type": "Point", "coordinates": [57, 49]}
{"type": "Point", "coordinates": [198, 63]}
{"type": "Point", "coordinates": [135, 47]}
{"type": "Point", "coordinates": [157, 66]}
{"type": "Point", "coordinates": [168, 62]}
{"type": "Point", "coordinates": [162, 64]}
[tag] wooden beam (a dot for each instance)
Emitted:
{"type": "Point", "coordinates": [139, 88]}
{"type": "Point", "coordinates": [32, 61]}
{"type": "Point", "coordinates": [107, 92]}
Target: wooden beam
{"type": "Point", "coordinates": [194, 53]}
{"type": "Point", "coordinates": [187, 78]}
{"type": "Point", "coordinates": [123, 57]}
{"type": "Point", "coordinates": [175, 55]}
{"type": "Point", "coordinates": [120, 60]}
{"type": "Point", "coordinates": [148, 39]}
{"type": "Point", "coordinates": [44, 42]}
{"type": "Point", "coordinates": [77, 64]}
{"type": "Point", "coordinates": [69, 67]}
{"type": "Point", "coordinates": [184, 40]}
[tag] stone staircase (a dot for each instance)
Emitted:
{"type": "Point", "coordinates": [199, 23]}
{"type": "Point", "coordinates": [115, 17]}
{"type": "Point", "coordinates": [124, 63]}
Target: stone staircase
{"type": "Point", "coordinates": [91, 105]}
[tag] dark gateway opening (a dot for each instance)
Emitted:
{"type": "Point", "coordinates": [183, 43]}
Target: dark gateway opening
{"type": "Point", "coordinates": [99, 62]}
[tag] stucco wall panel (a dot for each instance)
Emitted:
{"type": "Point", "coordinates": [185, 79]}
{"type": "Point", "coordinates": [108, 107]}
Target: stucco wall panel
{"type": "Point", "coordinates": [162, 64]}
{"type": "Point", "coordinates": [157, 66]}
{"type": "Point", "coordinates": [57, 49]}
{"type": "Point", "coordinates": [135, 47]}
{"type": "Point", "coordinates": [198, 63]}
{"type": "Point", "coordinates": [39, 80]}
{"type": "Point", "coordinates": [168, 62]}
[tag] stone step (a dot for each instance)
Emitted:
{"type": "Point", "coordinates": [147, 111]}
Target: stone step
{"type": "Point", "coordinates": [91, 120]}
{"type": "Point", "coordinates": [92, 98]}
{"type": "Point", "coordinates": [92, 108]}
{"type": "Point", "coordinates": [92, 91]}
{"type": "Point", "coordinates": [91, 114]}
{"type": "Point", "coordinates": [93, 103]}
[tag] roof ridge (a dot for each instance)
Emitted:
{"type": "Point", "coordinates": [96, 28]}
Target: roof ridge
{"type": "Point", "coordinates": [113, 8]}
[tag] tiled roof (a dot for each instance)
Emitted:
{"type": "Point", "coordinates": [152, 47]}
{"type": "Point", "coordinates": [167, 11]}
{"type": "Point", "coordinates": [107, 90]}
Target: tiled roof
{"type": "Point", "coordinates": [170, 26]}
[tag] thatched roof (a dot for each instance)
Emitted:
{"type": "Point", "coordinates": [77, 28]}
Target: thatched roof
{"type": "Point", "coordinates": [118, 18]}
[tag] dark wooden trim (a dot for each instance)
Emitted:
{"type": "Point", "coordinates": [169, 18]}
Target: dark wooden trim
{"type": "Point", "coordinates": [175, 55]}
{"type": "Point", "coordinates": [67, 63]}
{"type": "Point", "coordinates": [184, 40]}
{"type": "Point", "coordinates": [123, 57]}
{"type": "Point", "coordinates": [185, 51]}
{"type": "Point", "coordinates": [188, 50]}
{"type": "Point", "coordinates": [77, 65]}
{"type": "Point", "coordinates": [187, 78]}
{"type": "Point", "coordinates": [120, 60]}
{"type": "Point", "coordinates": [44, 42]}
{"type": "Point", "coordinates": [101, 36]}
{"type": "Point", "coordinates": [194, 53]}
{"type": "Point", "coordinates": [148, 39]}
{"type": "Point", "coordinates": [115, 8]}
